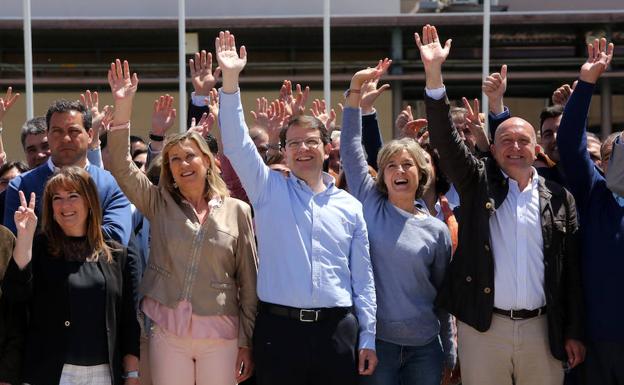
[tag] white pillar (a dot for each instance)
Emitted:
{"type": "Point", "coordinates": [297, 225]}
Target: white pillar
{"type": "Point", "coordinates": [326, 53]}
{"type": "Point", "coordinates": [486, 57]}
{"type": "Point", "coordinates": [28, 70]}
{"type": "Point", "coordinates": [182, 65]}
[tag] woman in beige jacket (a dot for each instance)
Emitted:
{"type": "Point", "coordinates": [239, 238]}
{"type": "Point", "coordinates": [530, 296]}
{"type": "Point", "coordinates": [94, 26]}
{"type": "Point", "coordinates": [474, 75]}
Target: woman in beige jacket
{"type": "Point", "coordinates": [200, 284]}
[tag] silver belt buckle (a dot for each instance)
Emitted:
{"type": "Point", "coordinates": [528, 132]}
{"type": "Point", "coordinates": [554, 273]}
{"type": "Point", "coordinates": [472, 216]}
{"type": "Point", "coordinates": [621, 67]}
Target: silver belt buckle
{"type": "Point", "coordinates": [511, 315]}
{"type": "Point", "coordinates": [303, 312]}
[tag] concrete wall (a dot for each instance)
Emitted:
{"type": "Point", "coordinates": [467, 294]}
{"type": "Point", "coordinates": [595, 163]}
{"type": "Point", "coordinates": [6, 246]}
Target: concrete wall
{"type": "Point", "coordinates": [195, 8]}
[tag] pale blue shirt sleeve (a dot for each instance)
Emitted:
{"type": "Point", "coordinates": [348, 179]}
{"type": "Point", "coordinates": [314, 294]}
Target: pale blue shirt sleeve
{"type": "Point", "coordinates": [240, 149]}
{"type": "Point", "coordinates": [436, 93]}
{"type": "Point", "coordinates": [363, 284]}
{"type": "Point", "coordinates": [94, 156]}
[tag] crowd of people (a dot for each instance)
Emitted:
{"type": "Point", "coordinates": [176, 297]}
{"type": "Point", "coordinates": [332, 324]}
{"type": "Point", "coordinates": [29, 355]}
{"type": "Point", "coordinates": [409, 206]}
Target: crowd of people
{"type": "Point", "coordinates": [295, 250]}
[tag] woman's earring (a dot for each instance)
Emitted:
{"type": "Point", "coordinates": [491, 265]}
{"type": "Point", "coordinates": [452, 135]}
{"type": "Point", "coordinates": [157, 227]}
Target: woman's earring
{"type": "Point", "coordinates": [175, 185]}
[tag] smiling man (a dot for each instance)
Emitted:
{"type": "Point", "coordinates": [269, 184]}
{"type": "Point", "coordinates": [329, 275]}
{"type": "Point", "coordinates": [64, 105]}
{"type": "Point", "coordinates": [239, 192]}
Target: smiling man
{"type": "Point", "coordinates": [315, 280]}
{"type": "Point", "coordinates": [69, 134]}
{"type": "Point", "coordinates": [514, 281]}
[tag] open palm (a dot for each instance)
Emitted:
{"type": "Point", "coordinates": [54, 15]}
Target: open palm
{"type": "Point", "coordinates": [229, 60]}
{"type": "Point", "coordinates": [599, 56]}
{"type": "Point", "coordinates": [121, 83]}
{"type": "Point", "coordinates": [431, 50]}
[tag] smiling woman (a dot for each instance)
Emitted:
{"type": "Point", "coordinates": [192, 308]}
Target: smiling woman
{"type": "Point", "coordinates": [200, 284]}
{"type": "Point", "coordinates": [80, 287]}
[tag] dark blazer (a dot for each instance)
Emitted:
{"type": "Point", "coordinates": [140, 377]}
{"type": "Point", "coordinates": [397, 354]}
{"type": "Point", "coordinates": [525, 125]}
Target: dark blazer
{"type": "Point", "coordinates": [468, 290]}
{"type": "Point", "coordinates": [43, 284]}
{"type": "Point", "coordinates": [12, 319]}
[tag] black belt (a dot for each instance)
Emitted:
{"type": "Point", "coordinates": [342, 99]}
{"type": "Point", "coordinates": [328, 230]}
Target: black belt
{"type": "Point", "coordinates": [521, 314]}
{"type": "Point", "coordinates": [303, 315]}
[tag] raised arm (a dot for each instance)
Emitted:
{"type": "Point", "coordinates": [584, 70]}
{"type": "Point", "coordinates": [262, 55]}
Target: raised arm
{"type": "Point", "coordinates": [494, 87]}
{"type": "Point", "coordinates": [371, 135]}
{"type": "Point", "coordinates": [476, 125]}
{"type": "Point", "coordinates": [134, 183]}
{"type": "Point", "coordinates": [455, 158]}
{"type": "Point", "coordinates": [237, 145]}
{"type": "Point", "coordinates": [578, 167]}
{"type": "Point", "coordinates": [354, 163]}
{"type": "Point", "coordinates": [5, 105]}
{"type": "Point", "coordinates": [163, 117]}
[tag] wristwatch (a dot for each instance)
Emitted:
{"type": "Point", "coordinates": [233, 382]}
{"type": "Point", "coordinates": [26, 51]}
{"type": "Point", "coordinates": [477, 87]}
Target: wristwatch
{"type": "Point", "coordinates": [156, 138]}
{"type": "Point", "coordinates": [130, 374]}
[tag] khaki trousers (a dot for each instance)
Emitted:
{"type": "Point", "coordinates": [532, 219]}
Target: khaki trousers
{"type": "Point", "coordinates": [509, 353]}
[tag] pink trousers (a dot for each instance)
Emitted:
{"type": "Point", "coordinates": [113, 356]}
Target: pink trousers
{"type": "Point", "coordinates": [188, 361]}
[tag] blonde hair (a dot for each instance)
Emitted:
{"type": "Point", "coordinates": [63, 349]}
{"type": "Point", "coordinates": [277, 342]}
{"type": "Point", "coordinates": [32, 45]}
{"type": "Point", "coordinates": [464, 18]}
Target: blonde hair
{"type": "Point", "coordinates": [415, 151]}
{"type": "Point", "coordinates": [215, 186]}
{"type": "Point", "coordinates": [77, 179]}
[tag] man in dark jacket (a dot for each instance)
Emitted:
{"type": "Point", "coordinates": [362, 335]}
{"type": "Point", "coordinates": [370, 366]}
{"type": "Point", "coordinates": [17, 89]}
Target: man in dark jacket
{"type": "Point", "coordinates": [514, 282]}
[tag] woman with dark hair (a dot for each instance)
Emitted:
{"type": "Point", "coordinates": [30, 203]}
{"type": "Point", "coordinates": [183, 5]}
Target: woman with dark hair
{"type": "Point", "coordinates": [410, 251]}
{"type": "Point", "coordinates": [79, 286]}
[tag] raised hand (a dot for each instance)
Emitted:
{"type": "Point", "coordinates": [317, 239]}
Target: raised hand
{"type": "Point", "coordinates": [362, 76]}
{"type": "Point", "coordinates": [91, 101]}
{"type": "Point", "coordinates": [319, 111]}
{"type": "Point", "coordinates": [261, 115]}
{"type": "Point", "coordinates": [205, 124]}
{"type": "Point", "coordinates": [599, 56]}
{"type": "Point", "coordinates": [403, 117]}
{"type": "Point", "coordinates": [432, 53]}
{"type": "Point", "coordinates": [295, 103]}
{"type": "Point", "coordinates": [7, 102]}
{"type": "Point", "coordinates": [475, 125]}
{"type": "Point", "coordinates": [25, 217]}
{"type": "Point", "coordinates": [121, 83]}
{"type": "Point", "coordinates": [277, 116]}
{"type": "Point", "coordinates": [563, 93]}
{"type": "Point", "coordinates": [414, 129]}
{"type": "Point", "coordinates": [213, 103]}
{"type": "Point", "coordinates": [494, 87]}
{"type": "Point", "coordinates": [202, 77]}
{"type": "Point", "coordinates": [163, 115]}
{"type": "Point", "coordinates": [370, 93]}
{"type": "Point", "coordinates": [230, 62]}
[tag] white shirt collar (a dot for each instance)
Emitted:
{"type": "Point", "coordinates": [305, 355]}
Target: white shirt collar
{"type": "Point", "coordinates": [53, 168]}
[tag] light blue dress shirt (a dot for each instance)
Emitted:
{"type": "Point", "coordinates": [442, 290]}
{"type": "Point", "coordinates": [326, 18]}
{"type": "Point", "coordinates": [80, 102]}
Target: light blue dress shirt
{"type": "Point", "coordinates": [312, 248]}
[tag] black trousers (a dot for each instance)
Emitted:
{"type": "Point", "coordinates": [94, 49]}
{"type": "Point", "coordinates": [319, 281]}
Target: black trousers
{"type": "Point", "coordinates": [291, 352]}
{"type": "Point", "coordinates": [604, 364]}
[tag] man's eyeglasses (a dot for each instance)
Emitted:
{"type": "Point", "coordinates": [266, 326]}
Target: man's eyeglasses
{"type": "Point", "coordinates": [310, 143]}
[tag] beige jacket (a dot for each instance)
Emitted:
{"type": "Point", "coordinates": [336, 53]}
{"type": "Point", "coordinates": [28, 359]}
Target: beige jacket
{"type": "Point", "coordinates": [214, 265]}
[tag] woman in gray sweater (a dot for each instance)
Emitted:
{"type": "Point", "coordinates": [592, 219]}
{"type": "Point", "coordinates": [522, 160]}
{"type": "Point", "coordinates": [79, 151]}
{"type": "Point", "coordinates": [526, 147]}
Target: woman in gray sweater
{"type": "Point", "coordinates": [409, 248]}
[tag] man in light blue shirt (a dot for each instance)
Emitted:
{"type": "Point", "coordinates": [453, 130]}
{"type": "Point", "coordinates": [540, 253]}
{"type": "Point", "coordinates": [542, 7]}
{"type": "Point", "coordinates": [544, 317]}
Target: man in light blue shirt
{"type": "Point", "coordinates": [313, 250]}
